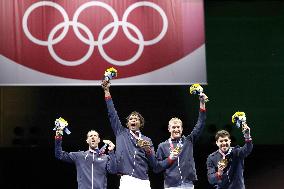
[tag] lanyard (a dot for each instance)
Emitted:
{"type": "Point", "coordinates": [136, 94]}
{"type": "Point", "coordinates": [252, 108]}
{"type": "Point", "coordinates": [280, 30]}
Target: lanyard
{"type": "Point", "coordinates": [95, 150]}
{"type": "Point", "coordinates": [178, 145]}
{"type": "Point", "coordinates": [223, 154]}
{"type": "Point", "coordinates": [135, 136]}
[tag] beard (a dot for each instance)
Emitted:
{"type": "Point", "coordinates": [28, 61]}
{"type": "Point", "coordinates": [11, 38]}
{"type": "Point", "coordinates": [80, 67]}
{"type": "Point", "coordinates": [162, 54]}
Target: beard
{"type": "Point", "coordinates": [225, 147]}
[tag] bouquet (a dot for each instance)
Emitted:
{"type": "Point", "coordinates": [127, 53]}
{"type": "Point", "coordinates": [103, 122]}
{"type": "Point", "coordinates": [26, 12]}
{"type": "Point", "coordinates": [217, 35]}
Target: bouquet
{"type": "Point", "coordinates": [239, 118]}
{"type": "Point", "coordinates": [110, 73]}
{"type": "Point", "coordinates": [197, 89]}
{"type": "Point", "coordinates": [61, 125]}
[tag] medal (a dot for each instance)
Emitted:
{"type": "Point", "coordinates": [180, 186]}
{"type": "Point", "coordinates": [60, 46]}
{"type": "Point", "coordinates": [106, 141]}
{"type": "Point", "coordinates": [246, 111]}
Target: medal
{"type": "Point", "coordinates": [223, 162]}
{"type": "Point", "coordinates": [141, 143]}
{"type": "Point", "coordinates": [178, 148]}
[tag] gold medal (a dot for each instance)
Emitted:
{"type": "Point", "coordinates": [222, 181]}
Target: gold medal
{"type": "Point", "coordinates": [178, 149]}
{"type": "Point", "coordinates": [223, 162]}
{"type": "Point", "coordinates": [141, 143]}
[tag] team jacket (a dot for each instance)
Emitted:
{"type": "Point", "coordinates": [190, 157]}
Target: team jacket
{"type": "Point", "coordinates": [183, 168]}
{"type": "Point", "coordinates": [91, 167]}
{"type": "Point", "coordinates": [232, 177]}
{"type": "Point", "coordinates": [131, 159]}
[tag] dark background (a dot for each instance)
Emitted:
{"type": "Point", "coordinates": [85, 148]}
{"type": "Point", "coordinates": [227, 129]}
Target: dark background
{"type": "Point", "coordinates": [245, 55]}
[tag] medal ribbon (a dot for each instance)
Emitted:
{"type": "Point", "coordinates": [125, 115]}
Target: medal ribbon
{"type": "Point", "coordinates": [172, 145]}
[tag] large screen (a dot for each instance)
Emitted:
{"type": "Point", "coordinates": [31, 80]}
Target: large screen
{"type": "Point", "coordinates": [73, 42]}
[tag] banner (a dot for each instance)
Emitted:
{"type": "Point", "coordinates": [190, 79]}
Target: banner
{"type": "Point", "coordinates": [157, 42]}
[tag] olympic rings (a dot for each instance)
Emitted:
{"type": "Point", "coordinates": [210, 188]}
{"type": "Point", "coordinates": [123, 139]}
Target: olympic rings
{"type": "Point", "coordinates": [33, 7]}
{"type": "Point", "coordinates": [65, 62]}
{"type": "Point", "coordinates": [91, 41]}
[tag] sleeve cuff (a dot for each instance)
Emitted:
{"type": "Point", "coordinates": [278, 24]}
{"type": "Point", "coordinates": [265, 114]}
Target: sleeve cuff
{"type": "Point", "coordinates": [170, 161]}
{"type": "Point", "coordinates": [149, 152]}
{"type": "Point", "coordinates": [248, 139]}
{"type": "Point", "coordinates": [107, 97]}
{"type": "Point", "coordinates": [58, 137]}
{"type": "Point", "coordinates": [202, 110]}
{"type": "Point", "coordinates": [218, 176]}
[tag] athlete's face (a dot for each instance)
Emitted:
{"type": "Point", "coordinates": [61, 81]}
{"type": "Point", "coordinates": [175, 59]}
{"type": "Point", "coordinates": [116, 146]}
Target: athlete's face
{"type": "Point", "coordinates": [175, 129]}
{"type": "Point", "coordinates": [224, 143]}
{"type": "Point", "coordinates": [93, 139]}
{"type": "Point", "coordinates": [134, 122]}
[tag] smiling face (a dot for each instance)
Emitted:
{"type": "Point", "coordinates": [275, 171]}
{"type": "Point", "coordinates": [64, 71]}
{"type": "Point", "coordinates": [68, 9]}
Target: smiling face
{"type": "Point", "coordinates": [93, 139]}
{"type": "Point", "coordinates": [223, 140]}
{"type": "Point", "coordinates": [175, 128]}
{"type": "Point", "coordinates": [224, 143]}
{"type": "Point", "coordinates": [133, 122]}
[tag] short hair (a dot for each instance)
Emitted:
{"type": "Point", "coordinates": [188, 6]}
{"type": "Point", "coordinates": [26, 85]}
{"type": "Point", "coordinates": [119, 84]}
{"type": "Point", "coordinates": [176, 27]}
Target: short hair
{"type": "Point", "coordinates": [141, 118]}
{"type": "Point", "coordinates": [222, 133]}
{"type": "Point", "coordinates": [175, 119]}
{"type": "Point", "coordinates": [92, 131]}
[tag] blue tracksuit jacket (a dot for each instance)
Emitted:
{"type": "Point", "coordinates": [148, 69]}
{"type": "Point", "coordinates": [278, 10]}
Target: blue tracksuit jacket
{"type": "Point", "coordinates": [91, 167]}
{"type": "Point", "coordinates": [232, 177]}
{"type": "Point", "coordinates": [183, 169]}
{"type": "Point", "coordinates": [131, 159]}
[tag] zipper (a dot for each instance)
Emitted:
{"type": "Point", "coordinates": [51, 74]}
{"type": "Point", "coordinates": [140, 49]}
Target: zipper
{"type": "Point", "coordinates": [93, 170]}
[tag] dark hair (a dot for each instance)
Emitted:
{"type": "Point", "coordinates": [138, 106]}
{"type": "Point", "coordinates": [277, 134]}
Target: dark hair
{"type": "Point", "coordinates": [92, 131]}
{"type": "Point", "coordinates": [222, 133]}
{"type": "Point", "coordinates": [141, 118]}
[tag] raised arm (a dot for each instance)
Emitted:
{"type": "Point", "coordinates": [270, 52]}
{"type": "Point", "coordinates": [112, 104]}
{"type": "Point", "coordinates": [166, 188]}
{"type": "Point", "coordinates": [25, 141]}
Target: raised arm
{"type": "Point", "coordinates": [106, 86]}
{"type": "Point", "coordinates": [245, 150]}
{"type": "Point", "coordinates": [112, 113]}
{"type": "Point", "coordinates": [59, 153]}
{"type": "Point", "coordinates": [199, 126]}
